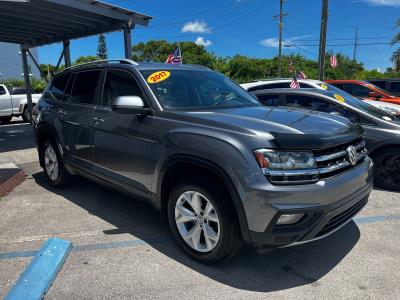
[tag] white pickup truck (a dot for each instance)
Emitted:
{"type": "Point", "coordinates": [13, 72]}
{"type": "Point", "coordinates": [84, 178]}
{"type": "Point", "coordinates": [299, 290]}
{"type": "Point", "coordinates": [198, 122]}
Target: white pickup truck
{"type": "Point", "coordinates": [14, 103]}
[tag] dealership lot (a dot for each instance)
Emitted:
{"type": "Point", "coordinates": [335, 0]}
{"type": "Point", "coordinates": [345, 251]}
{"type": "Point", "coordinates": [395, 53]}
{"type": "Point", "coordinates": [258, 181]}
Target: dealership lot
{"type": "Point", "coordinates": [123, 250]}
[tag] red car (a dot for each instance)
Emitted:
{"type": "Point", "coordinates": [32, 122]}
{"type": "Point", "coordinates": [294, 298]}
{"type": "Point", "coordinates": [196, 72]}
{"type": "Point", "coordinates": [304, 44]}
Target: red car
{"type": "Point", "coordinates": [364, 90]}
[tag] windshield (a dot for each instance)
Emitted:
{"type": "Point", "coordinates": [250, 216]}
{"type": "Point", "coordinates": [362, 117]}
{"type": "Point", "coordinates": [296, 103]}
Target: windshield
{"type": "Point", "coordinates": [182, 89]}
{"type": "Point", "coordinates": [379, 89]}
{"type": "Point", "coordinates": [362, 105]}
{"type": "Point", "coordinates": [330, 87]}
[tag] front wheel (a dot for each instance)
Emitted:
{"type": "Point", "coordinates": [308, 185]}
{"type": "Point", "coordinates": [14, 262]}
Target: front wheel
{"type": "Point", "coordinates": [387, 169]}
{"type": "Point", "coordinates": [202, 221]}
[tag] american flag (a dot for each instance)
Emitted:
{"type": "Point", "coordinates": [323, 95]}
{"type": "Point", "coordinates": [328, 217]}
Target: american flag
{"type": "Point", "coordinates": [333, 60]}
{"type": "Point", "coordinates": [301, 75]}
{"type": "Point", "coordinates": [294, 84]}
{"type": "Point", "coordinates": [175, 57]}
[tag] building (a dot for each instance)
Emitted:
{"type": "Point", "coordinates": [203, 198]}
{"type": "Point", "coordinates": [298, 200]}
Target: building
{"type": "Point", "coordinates": [11, 62]}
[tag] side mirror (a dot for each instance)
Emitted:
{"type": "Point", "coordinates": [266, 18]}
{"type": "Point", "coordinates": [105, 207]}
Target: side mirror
{"type": "Point", "coordinates": [129, 105]}
{"type": "Point", "coordinates": [374, 95]}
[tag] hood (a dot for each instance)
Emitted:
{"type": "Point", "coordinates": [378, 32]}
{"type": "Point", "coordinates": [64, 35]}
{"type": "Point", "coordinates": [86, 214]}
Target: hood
{"type": "Point", "coordinates": [291, 128]}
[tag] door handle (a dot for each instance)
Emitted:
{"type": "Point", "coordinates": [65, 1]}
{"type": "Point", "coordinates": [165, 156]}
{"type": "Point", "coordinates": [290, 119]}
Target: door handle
{"type": "Point", "coordinates": [98, 120]}
{"type": "Point", "coordinates": [62, 113]}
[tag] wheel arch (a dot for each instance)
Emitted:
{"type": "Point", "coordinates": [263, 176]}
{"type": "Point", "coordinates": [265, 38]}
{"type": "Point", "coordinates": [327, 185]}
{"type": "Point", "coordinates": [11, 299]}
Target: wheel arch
{"type": "Point", "coordinates": [202, 167]}
{"type": "Point", "coordinates": [381, 148]}
{"type": "Point", "coordinates": [44, 133]}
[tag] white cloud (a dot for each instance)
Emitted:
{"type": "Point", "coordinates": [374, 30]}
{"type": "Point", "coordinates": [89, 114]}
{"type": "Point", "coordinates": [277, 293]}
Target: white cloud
{"type": "Point", "coordinates": [202, 42]}
{"type": "Point", "coordinates": [274, 42]}
{"type": "Point", "coordinates": [196, 27]}
{"type": "Point", "coordinates": [395, 3]}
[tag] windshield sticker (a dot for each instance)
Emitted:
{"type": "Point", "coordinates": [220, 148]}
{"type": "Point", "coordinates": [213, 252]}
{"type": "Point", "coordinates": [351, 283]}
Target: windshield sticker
{"type": "Point", "coordinates": [158, 76]}
{"type": "Point", "coordinates": [339, 98]}
{"type": "Point", "coordinates": [324, 86]}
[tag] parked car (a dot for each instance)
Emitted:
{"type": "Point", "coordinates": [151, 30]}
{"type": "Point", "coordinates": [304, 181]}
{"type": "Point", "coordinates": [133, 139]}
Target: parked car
{"type": "Point", "coordinates": [382, 130]}
{"type": "Point", "coordinates": [14, 103]}
{"type": "Point", "coordinates": [364, 90]}
{"type": "Point", "coordinates": [222, 168]}
{"type": "Point", "coordinates": [282, 83]}
{"type": "Point", "coordinates": [392, 85]}
{"type": "Point", "coordinates": [388, 107]}
{"type": "Point", "coordinates": [311, 83]}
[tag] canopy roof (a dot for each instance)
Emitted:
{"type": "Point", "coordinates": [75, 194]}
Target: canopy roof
{"type": "Point", "coordinates": [39, 22]}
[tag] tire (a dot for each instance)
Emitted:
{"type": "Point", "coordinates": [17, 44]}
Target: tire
{"type": "Point", "coordinates": [387, 169]}
{"type": "Point", "coordinates": [224, 240]}
{"type": "Point", "coordinates": [57, 175]}
{"type": "Point", "coordinates": [25, 115]}
{"type": "Point", "coordinates": [5, 120]}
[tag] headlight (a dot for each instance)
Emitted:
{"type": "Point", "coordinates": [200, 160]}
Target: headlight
{"type": "Point", "coordinates": [288, 167]}
{"type": "Point", "coordinates": [285, 160]}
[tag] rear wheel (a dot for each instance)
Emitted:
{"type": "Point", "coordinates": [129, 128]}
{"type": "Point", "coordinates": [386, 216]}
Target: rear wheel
{"type": "Point", "coordinates": [202, 221]}
{"type": "Point", "coordinates": [53, 165]}
{"type": "Point", "coordinates": [25, 115]}
{"type": "Point", "coordinates": [387, 169]}
{"type": "Point", "coordinates": [5, 120]}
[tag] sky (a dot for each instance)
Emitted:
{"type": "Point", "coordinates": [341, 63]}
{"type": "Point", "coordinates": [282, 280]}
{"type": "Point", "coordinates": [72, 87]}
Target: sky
{"type": "Point", "coordinates": [247, 27]}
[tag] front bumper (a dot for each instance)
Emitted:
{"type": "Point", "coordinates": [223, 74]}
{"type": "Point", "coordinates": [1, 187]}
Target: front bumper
{"type": "Point", "coordinates": [327, 206]}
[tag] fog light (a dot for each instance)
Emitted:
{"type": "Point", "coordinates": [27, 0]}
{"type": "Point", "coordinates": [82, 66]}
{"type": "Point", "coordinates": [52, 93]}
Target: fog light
{"type": "Point", "coordinates": [289, 219]}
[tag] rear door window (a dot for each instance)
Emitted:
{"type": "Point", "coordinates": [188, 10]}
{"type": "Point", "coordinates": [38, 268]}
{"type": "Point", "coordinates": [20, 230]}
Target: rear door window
{"type": "Point", "coordinates": [280, 85]}
{"type": "Point", "coordinates": [84, 87]}
{"type": "Point", "coordinates": [269, 100]}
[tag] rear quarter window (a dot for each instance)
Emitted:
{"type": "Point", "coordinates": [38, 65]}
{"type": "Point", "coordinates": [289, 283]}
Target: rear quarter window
{"type": "Point", "coordinates": [57, 87]}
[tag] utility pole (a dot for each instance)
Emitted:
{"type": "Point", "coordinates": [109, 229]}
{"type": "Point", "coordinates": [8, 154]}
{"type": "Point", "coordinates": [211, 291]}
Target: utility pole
{"type": "Point", "coordinates": [322, 40]}
{"type": "Point", "coordinates": [281, 15]}
{"type": "Point", "coordinates": [355, 45]}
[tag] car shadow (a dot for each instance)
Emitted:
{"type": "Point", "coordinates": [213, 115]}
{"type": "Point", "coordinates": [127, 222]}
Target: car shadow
{"type": "Point", "coordinates": [277, 269]}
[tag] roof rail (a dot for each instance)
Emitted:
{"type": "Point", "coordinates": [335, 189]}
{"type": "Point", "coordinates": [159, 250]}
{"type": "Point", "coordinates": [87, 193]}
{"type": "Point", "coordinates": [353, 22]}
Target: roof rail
{"type": "Point", "coordinates": [103, 61]}
{"type": "Point", "coordinates": [198, 66]}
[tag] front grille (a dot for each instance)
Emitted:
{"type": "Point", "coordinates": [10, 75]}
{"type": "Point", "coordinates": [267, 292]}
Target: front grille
{"type": "Point", "coordinates": [341, 218]}
{"type": "Point", "coordinates": [329, 162]}
{"type": "Point", "coordinates": [336, 160]}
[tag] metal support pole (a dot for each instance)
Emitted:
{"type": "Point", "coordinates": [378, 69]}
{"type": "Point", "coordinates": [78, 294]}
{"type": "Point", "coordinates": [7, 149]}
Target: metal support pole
{"type": "Point", "coordinates": [322, 40]}
{"type": "Point", "coordinates": [37, 65]}
{"type": "Point", "coordinates": [67, 54]}
{"type": "Point", "coordinates": [24, 54]}
{"type": "Point", "coordinates": [280, 39]}
{"type": "Point", "coordinates": [128, 41]}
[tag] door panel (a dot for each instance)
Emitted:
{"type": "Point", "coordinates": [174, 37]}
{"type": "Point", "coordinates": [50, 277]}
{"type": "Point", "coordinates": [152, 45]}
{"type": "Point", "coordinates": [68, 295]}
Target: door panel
{"type": "Point", "coordinates": [123, 143]}
{"type": "Point", "coordinates": [75, 113]}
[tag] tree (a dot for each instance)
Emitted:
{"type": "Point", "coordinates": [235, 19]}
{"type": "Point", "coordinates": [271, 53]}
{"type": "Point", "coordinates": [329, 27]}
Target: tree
{"type": "Point", "coordinates": [102, 47]}
{"type": "Point", "coordinates": [85, 59]}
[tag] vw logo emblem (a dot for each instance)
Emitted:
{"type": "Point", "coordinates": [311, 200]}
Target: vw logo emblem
{"type": "Point", "coordinates": [352, 155]}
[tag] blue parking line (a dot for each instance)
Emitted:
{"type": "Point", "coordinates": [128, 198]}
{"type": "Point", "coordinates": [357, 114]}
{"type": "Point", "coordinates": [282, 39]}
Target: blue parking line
{"type": "Point", "coordinates": [41, 272]}
{"type": "Point", "coordinates": [137, 242]}
{"type": "Point", "coordinates": [373, 219]}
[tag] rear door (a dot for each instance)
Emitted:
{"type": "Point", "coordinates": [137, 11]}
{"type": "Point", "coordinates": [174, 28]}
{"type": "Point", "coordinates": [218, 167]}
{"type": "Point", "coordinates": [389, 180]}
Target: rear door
{"type": "Point", "coordinates": [123, 142]}
{"type": "Point", "coordinates": [75, 113]}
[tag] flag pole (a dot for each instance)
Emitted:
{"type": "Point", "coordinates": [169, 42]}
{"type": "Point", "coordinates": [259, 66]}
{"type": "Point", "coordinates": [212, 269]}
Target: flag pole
{"type": "Point", "coordinates": [180, 52]}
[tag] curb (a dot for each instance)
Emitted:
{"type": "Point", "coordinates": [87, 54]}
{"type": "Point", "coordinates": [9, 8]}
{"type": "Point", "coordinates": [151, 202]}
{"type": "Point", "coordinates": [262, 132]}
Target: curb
{"type": "Point", "coordinates": [10, 177]}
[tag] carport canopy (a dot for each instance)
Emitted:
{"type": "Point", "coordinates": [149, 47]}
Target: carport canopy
{"type": "Point", "coordinates": [33, 23]}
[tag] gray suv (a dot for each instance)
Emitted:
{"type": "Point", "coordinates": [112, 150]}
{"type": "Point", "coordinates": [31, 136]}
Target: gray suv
{"type": "Point", "coordinates": [224, 170]}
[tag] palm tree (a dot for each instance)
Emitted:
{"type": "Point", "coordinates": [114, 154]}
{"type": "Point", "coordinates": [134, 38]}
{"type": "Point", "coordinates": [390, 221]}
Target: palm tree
{"type": "Point", "coordinates": [396, 54]}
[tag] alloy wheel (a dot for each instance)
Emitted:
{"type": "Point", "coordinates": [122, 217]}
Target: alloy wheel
{"type": "Point", "coordinates": [197, 221]}
{"type": "Point", "coordinates": [51, 163]}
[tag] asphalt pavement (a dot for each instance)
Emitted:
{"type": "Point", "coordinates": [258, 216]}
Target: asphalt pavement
{"type": "Point", "coordinates": [122, 250]}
